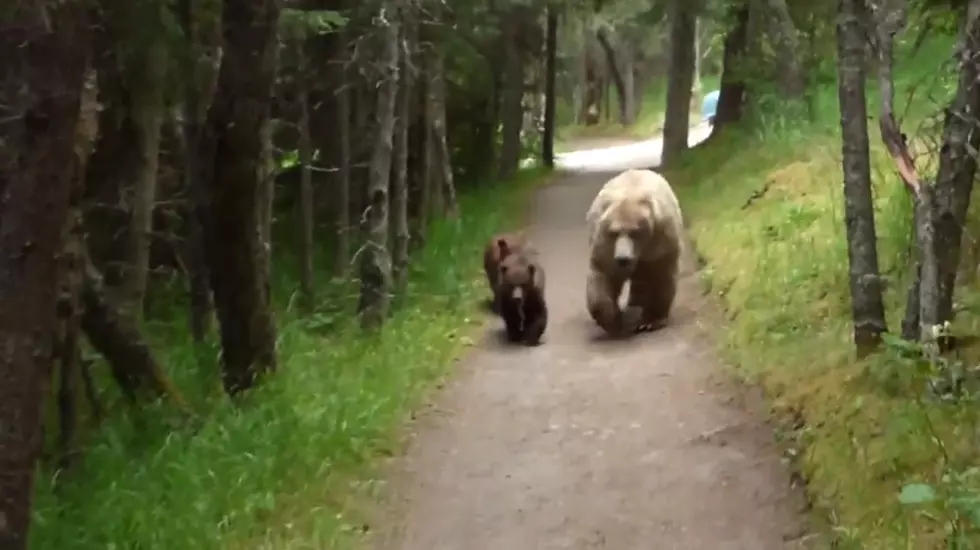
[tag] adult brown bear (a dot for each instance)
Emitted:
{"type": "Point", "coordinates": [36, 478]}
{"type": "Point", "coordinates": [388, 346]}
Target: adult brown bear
{"type": "Point", "coordinates": [521, 296]}
{"type": "Point", "coordinates": [499, 247]}
{"type": "Point", "coordinates": [635, 230]}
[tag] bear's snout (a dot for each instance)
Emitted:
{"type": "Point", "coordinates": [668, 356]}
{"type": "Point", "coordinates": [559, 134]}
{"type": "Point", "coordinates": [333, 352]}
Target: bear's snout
{"type": "Point", "coordinates": [624, 253]}
{"type": "Point", "coordinates": [623, 262]}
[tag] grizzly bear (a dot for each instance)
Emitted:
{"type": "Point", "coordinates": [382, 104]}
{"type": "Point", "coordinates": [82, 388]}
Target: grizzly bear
{"type": "Point", "coordinates": [635, 230]}
{"type": "Point", "coordinates": [496, 250]}
{"type": "Point", "coordinates": [521, 294]}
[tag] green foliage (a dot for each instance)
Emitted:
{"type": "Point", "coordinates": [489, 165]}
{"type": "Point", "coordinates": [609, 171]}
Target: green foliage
{"type": "Point", "coordinates": [288, 464]}
{"type": "Point", "coordinates": [295, 23]}
{"type": "Point", "coordinates": [887, 444]}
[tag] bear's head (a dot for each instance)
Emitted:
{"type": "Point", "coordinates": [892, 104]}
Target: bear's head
{"type": "Point", "coordinates": [517, 275]}
{"type": "Point", "coordinates": [624, 229]}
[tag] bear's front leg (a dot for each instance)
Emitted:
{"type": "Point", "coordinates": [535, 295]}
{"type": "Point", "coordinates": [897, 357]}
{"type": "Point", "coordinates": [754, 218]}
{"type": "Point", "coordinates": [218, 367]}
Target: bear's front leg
{"type": "Point", "coordinates": [513, 317]}
{"type": "Point", "coordinates": [602, 295]}
{"type": "Point", "coordinates": [536, 321]}
{"type": "Point", "coordinates": [652, 290]}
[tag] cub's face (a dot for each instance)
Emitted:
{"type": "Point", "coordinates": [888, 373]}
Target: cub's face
{"type": "Point", "coordinates": [516, 275]}
{"type": "Point", "coordinates": [627, 227]}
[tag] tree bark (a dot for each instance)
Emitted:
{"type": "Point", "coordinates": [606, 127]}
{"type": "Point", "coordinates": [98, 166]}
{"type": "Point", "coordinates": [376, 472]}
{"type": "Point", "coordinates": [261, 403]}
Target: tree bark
{"type": "Point", "coordinates": [550, 99]}
{"type": "Point", "coordinates": [67, 352]}
{"type": "Point", "coordinates": [114, 334]}
{"type": "Point", "coordinates": [235, 231]}
{"type": "Point", "coordinates": [614, 72]}
{"type": "Point", "coordinates": [511, 109]}
{"type": "Point", "coordinates": [957, 164]}
{"type": "Point", "coordinates": [305, 182]}
{"type": "Point", "coordinates": [792, 76]}
{"type": "Point", "coordinates": [446, 186]}
{"type": "Point", "coordinates": [731, 96]}
{"type": "Point", "coordinates": [866, 294]}
{"type": "Point", "coordinates": [44, 58]}
{"type": "Point", "coordinates": [342, 183]}
{"type": "Point", "coordinates": [399, 196]}
{"type": "Point", "coordinates": [680, 78]}
{"type": "Point", "coordinates": [148, 113]}
{"type": "Point", "coordinates": [199, 291]}
{"type": "Point", "coordinates": [375, 261]}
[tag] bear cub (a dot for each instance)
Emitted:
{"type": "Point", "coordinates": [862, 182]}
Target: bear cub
{"type": "Point", "coordinates": [521, 296]}
{"type": "Point", "coordinates": [496, 250]}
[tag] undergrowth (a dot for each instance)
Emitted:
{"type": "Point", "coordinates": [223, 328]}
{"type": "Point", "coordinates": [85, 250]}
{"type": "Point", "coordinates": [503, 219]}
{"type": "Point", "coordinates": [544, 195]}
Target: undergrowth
{"type": "Point", "coordinates": [287, 468]}
{"type": "Point", "coordinates": [889, 445]}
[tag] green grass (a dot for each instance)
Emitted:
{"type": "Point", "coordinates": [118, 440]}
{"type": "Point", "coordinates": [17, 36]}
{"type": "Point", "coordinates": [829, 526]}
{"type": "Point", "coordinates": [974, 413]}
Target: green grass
{"type": "Point", "coordinates": [779, 267]}
{"type": "Point", "coordinates": [295, 465]}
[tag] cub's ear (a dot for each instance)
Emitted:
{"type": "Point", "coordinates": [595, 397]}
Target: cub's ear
{"type": "Point", "coordinates": [502, 245]}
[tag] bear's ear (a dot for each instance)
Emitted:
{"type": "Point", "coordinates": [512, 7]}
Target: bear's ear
{"type": "Point", "coordinates": [502, 245]}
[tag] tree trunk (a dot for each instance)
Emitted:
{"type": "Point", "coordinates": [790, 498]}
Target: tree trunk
{"type": "Point", "coordinates": [192, 111]}
{"type": "Point", "coordinates": [866, 294]}
{"type": "Point", "coordinates": [550, 99]}
{"type": "Point", "coordinates": [342, 185]}
{"type": "Point", "coordinates": [792, 75]}
{"type": "Point", "coordinates": [928, 273]}
{"type": "Point", "coordinates": [422, 140]}
{"type": "Point", "coordinates": [680, 76]}
{"type": "Point", "coordinates": [957, 164]}
{"type": "Point", "coordinates": [399, 191]}
{"type": "Point", "coordinates": [114, 334]}
{"type": "Point", "coordinates": [696, 86]}
{"type": "Point", "coordinates": [67, 352]}
{"type": "Point", "coordinates": [235, 232]}
{"type": "Point", "coordinates": [437, 109]}
{"type": "Point", "coordinates": [148, 113]}
{"type": "Point", "coordinates": [305, 182]}
{"type": "Point", "coordinates": [511, 110]}
{"type": "Point", "coordinates": [629, 84]}
{"type": "Point", "coordinates": [617, 77]}
{"type": "Point", "coordinates": [731, 95]}
{"type": "Point", "coordinates": [375, 261]}
{"type": "Point", "coordinates": [44, 53]}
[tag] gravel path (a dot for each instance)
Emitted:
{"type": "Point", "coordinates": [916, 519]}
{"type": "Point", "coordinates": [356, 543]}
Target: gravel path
{"type": "Point", "coordinates": [587, 443]}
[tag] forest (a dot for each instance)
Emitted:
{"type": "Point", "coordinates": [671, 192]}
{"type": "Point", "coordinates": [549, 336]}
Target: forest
{"type": "Point", "coordinates": [245, 235]}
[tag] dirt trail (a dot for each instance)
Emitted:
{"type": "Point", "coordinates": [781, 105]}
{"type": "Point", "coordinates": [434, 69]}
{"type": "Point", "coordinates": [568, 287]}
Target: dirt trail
{"type": "Point", "coordinates": [587, 443]}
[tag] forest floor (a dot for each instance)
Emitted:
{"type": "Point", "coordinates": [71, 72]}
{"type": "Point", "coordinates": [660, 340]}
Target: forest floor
{"type": "Point", "coordinates": [584, 442]}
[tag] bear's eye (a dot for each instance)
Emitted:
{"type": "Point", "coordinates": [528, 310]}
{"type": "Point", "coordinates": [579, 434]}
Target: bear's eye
{"type": "Point", "coordinates": [503, 270]}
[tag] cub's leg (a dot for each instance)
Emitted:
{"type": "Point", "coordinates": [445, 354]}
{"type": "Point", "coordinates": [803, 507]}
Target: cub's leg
{"type": "Point", "coordinates": [535, 323]}
{"type": "Point", "coordinates": [510, 310]}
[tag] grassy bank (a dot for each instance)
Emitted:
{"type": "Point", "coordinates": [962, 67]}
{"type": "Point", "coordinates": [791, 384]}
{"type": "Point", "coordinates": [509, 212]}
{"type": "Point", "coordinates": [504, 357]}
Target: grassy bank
{"type": "Point", "coordinates": [282, 471]}
{"type": "Point", "coordinates": [766, 211]}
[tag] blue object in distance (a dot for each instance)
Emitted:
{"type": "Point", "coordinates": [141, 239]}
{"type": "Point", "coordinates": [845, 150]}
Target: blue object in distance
{"type": "Point", "coordinates": [709, 106]}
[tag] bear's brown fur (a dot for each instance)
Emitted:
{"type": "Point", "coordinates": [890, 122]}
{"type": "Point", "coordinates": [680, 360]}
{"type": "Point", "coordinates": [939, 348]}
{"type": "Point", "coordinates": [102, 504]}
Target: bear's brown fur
{"type": "Point", "coordinates": [499, 247]}
{"type": "Point", "coordinates": [521, 296]}
{"type": "Point", "coordinates": [635, 226]}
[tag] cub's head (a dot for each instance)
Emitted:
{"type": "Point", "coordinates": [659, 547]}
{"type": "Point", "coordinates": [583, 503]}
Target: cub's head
{"type": "Point", "coordinates": [516, 276]}
{"type": "Point", "coordinates": [625, 227]}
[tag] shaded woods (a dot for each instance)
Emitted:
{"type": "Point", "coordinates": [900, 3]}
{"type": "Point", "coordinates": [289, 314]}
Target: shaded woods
{"type": "Point", "coordinates": [250, 192]}
{"type": "Point", "coordinates": [237, 237]}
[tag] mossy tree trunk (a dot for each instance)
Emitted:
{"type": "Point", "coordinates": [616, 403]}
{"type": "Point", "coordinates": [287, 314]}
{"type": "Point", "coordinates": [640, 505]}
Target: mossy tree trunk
{"type": "Point", "coordinates": [236, 228]}
{"type": "Point", "coordinates": [42, 61]}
